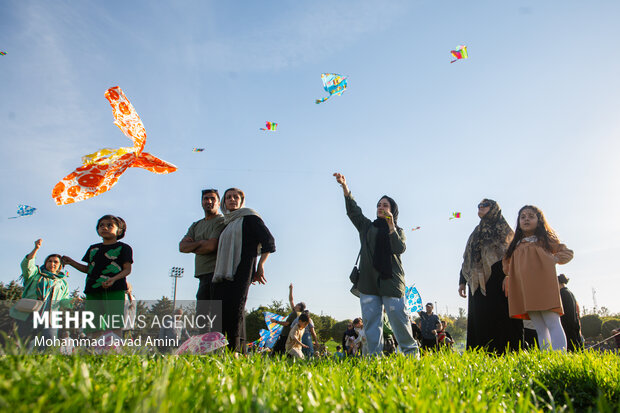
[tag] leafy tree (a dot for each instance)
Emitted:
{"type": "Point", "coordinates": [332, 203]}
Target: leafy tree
{"type": "Point", "coordinates": [278, 307]}
{"type": "Point", "coordinates": [591, 325]}
{"type": "Point", "coordinates": [162, 307]}
{"type": "Point", "coordinates": [9, 294]}
{"type": "Point", "coordinates": [608, 325]}
{"type": "Point", "coordinates": [458, 327]}
{"type": "Point", "coordinates": [12, 291]}
{"type": "Point", "coordinates": [324, 327]}
{"type": "Point", "coordinates": [338, 329]}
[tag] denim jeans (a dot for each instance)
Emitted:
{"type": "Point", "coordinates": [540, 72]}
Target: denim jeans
{"type": "Point", "coordinates": [372, 314]}
{"type": "Point", "coordinates": [307, 340]}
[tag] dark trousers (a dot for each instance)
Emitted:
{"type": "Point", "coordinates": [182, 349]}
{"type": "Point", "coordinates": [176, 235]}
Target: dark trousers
{"type": "Point", "coordinates": [280, 346]}
{"type": "Point", "coordinates": [429, 343]}
{"type": "Point", "coordinates": [530, 337]}
{"type": "Point", "coordinates": [489, 325]}
{"type": "Point", "coordinates": [203, 297]}
{"type": "Point", "coordinates": [233, 295]}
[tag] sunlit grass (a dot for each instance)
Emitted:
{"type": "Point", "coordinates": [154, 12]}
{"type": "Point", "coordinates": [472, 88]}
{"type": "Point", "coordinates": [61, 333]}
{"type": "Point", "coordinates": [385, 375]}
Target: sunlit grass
{"type": "Point", "coordinates": [472, 382]}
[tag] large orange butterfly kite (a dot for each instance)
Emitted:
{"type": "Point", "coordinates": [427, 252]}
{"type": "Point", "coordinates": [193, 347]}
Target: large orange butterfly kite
{"type": "Point", "coordinates": [100, 170]}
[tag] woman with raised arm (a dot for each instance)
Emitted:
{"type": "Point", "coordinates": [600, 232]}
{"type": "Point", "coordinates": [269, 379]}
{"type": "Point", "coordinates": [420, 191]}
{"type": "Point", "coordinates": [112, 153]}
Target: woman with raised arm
{"type": "Point", "coordinates": [382, 279]}
{"type": "Point", "coordinates": [46, 284]}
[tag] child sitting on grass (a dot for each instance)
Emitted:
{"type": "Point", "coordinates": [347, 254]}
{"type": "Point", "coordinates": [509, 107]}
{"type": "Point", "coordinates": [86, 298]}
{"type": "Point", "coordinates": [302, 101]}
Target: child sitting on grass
{"type": "Point", "coordinates": [293, 342]}
{"type": "Point", "coordinates": [338, 355]}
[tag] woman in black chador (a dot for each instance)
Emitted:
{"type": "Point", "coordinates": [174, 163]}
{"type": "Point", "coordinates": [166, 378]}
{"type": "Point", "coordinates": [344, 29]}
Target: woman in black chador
{"type": "Point", "coordinates": [488, 323]}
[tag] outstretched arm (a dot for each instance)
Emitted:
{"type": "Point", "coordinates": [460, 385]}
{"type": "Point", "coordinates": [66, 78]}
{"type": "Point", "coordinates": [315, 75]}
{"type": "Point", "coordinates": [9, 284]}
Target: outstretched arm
{"type": "Point", "coordinates": [295, 340]}
{"type": "Point", "coordinates": [354, 212]}
{"type": "Point", "coordinates": [343, 183]}
{"type": "Point", "coordinates": [290, 297]}
{"type": "Point", "coordinates": [37, 246]}
{"type": "Point", "coordinates": [70, 261]}
{"type": "Point", "coordinates": [27, 264]}
{"type": "Point", "coordinates": [282, 323]}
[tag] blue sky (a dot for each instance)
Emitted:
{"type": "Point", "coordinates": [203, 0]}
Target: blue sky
{"type": "Point", "coordinates": [530, 118]}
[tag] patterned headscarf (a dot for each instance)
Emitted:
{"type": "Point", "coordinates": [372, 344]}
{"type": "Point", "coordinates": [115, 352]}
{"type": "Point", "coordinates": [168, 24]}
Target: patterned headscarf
{"type": "Point", "coordinates": [47, 282]}
{"type": "Point", "coordinates": [485, 246]}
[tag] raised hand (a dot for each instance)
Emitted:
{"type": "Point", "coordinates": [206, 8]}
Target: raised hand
{"type": "Point", "coordinates": [343, 182]}
{"type": "Point", "coordinates": [340, 178]}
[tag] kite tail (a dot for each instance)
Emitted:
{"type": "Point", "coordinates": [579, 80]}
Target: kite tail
{"type": "Point", "coordinates": [321, 100]}
{"type": "Point", "coordinates": [454, 60]}
{"type": "Point", "coordinates": [153, 164]}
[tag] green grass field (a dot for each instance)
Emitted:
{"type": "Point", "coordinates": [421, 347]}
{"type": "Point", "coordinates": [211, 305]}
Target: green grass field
{"type": "Point", "coordinates": [449, 382]}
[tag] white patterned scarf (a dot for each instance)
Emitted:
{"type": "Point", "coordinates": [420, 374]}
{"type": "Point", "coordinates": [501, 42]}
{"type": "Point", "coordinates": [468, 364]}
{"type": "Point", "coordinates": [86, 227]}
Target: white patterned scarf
{"type": "Point", "coordinates": [230, 244]}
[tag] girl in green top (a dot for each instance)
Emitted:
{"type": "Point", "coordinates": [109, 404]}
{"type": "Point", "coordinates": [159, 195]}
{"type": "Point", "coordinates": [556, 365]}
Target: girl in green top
{"type": "Point", "coordinates": [108, 265]}
{"type": "Point", "coordinates": [47, 284]}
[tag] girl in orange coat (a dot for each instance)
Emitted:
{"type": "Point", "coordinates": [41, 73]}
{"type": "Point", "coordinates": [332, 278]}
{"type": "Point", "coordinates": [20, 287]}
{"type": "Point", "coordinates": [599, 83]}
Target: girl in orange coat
{"type": "Point", "coordinates": [531, 281]}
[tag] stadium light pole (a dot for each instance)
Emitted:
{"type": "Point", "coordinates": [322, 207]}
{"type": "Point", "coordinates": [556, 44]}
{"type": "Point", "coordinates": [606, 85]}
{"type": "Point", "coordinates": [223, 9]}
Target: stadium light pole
{"type": "Point", "coordinates": [176, 273]}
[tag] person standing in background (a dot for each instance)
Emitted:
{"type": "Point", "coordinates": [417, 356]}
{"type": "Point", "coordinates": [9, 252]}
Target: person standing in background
{"type": "Point", "coordinates": [570, 320]}
{"type": "Point", "coordinates": [429, 323]}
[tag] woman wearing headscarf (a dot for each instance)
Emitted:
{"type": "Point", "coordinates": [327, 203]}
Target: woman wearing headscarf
{"type": "Point", "coordinates": [46, 284]}
{"type": "Point", "coordinates": [488, 323]}
{"type": "Point", "coordinates": [381, 277]}
{"type": "Point", "coordinates": [244, 237]}
{"type": "Point", "coordinates": [570, 320]}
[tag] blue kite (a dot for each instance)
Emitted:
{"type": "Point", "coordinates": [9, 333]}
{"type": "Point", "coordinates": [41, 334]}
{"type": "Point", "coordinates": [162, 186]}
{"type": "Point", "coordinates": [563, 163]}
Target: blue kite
{"type": "Point", "coordinates": [24, 210]}
{"type": "Point", "coordinates": [269, 337]}
{"type": "Point", "coordinates": [333, 84]}
{"type": "Point", "coordinates": [413, 301]}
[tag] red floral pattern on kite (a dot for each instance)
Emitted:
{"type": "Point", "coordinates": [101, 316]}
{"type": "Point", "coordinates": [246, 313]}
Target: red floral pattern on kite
{"type": "Point", "coordinates": [103, 168]}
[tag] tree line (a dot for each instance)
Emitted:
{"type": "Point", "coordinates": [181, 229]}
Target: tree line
{"type": "Point", "coordinates": [595, 324]}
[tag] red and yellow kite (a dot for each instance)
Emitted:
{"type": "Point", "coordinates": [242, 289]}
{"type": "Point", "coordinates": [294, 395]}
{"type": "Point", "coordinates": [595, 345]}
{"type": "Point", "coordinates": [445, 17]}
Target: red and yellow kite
{"type": "Point", "coordinates": [100, 170]}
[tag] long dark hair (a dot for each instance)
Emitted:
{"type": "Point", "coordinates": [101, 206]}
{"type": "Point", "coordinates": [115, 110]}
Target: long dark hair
{"type": "Point", "coordinates": [546, 236]}
{"type": "Point", "coordinates": [393, 208]}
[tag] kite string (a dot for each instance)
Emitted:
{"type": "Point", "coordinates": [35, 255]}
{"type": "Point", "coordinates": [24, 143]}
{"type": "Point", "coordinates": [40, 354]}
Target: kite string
{"type": "Point", "coordinates": [601, 342]}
